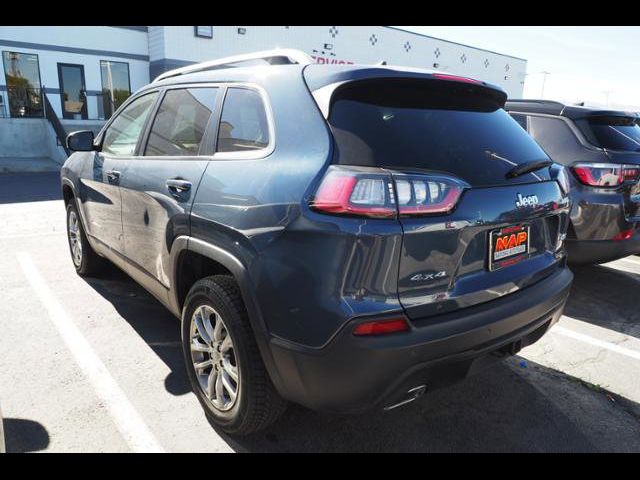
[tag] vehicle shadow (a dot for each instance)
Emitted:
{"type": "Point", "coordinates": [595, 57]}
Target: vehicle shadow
{"type": "Point", "coordinates": [150, 319]}
{"type": "Point", "coordinates": [606, 297]}
{"type": "Point", "coordinates": [506, 408]}
{"type": "Point", "coordinates": [514, 406]}
{"type": "Point", "coordinates": [30, 187]}
{"type": "Point", "coordinates": [22, 435]}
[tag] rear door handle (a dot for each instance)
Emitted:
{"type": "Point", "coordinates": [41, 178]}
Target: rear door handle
{"type": "Point", "coordinates": [113, 176]}
{"type": "Point", "coordinates": [176, 185]}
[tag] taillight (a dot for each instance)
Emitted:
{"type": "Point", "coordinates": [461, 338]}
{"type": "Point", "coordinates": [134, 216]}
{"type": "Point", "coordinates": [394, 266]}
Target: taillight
{"type": "Point", "coordinates": [362, 192]}
{"type": "Point", "coordinates": [427, 194]}
{"type": "Point", "coordinates": [372, 192]}
{"type": "Point", "coordinates": [381, 327]}
{"type": "Point", "coordinates": [605, 174]}
{"type": "Point", "coordinates": [624, 235]}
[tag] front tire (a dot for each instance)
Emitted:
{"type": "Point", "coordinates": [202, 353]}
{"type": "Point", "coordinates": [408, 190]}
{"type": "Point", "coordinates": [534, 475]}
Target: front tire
{"type": "Point", "coordinates": [222, 359]}
{"type": "Point", "coordinates": [85, 260]}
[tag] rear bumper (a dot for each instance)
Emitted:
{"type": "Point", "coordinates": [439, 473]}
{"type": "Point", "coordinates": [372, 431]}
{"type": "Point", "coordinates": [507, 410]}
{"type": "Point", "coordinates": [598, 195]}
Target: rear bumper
{"type": "Point", "coordinates": [352, 374]}
{"type": "Point", "coordinates": [580, 252]}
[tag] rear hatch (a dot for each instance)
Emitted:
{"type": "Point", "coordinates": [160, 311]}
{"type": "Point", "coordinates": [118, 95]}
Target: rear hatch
{"type": "Point", "coordinates": [474, 229]}
{"type": "Point", "coordinates": [619, 135]}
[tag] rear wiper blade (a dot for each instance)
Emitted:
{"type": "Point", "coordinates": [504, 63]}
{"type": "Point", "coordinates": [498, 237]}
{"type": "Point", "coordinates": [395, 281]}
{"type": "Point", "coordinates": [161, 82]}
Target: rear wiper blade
{"type": "Point", "coordinates": [528, 168]}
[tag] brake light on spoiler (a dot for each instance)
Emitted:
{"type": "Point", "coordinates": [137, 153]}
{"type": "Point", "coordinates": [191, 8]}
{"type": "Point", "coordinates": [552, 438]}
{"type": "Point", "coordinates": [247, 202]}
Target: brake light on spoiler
{"type": "Point", "coordinates": [377, 193]}
{"type": "Point", "coordinates": [456, 78]}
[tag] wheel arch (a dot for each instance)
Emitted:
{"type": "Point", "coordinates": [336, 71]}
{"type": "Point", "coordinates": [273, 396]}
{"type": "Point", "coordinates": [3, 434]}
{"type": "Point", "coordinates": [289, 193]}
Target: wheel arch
{"type": "Point", "coordinates": [183, 247]}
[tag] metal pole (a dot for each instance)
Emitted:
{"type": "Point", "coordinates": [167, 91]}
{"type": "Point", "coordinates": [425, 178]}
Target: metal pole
{"type": "Point", "coordinates": [544, 79]}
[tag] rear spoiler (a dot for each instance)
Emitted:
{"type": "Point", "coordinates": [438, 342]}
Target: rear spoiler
{"type": "Point", "coordinates": [324, 86]}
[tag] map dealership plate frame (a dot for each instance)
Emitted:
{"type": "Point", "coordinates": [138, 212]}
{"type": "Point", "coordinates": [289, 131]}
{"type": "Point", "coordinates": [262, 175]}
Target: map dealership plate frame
{"type": "Point", "coordinates": [508, 245]}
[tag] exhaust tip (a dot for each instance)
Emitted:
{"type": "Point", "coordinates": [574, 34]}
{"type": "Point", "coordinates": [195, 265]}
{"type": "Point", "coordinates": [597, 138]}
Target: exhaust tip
{"type": "Point", "coordinates": [414, 393]}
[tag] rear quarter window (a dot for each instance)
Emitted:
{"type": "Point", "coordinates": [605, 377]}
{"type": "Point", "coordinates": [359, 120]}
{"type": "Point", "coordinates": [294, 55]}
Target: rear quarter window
{"type": "Point", "coordinates": [611, 132]}
{"type": "Point", "coordinates": [243, 126]}
{"type": "Point", "coordinates": [556, 138]}
{"type": "Point", "coordinates": [521, 119]}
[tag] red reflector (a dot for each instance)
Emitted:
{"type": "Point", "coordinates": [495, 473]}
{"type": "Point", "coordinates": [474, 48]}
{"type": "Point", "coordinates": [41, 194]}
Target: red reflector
{"type": "Point", "coordinates": [455, 78]}
{"type": "Point", "coordinates": [624, 235]}
{"type": "Point", "coordinates": [381, 327]}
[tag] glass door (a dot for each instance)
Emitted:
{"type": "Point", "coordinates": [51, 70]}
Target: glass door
{"type": "Point", "coordinates": [73, 93]}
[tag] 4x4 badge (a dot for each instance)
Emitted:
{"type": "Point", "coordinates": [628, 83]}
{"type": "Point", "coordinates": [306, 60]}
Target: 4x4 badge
{"type": "Point", "coordinates": [527, 201]}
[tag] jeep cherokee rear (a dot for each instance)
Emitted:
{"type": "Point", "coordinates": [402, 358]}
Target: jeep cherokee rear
{"type": "Point", "coordinates": [602, 150]}
{"type": "Point", "coordinates": [343, 237]}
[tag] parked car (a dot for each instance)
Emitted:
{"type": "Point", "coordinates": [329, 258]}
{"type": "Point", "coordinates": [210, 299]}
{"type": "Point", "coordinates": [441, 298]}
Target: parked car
{"type": "Point", "coordinates": [601, 149]}
{"type": "Point", "coordinates": [344, 237]}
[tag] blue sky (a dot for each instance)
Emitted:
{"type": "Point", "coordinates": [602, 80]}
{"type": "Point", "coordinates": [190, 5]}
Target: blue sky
{"type": "Point", "coordinates": [584, 62]}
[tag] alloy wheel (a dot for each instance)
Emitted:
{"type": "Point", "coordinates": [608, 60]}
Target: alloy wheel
{"type": "Point", "coordinates": [74, 238]}
{"type": "Point", "coordinates": [214, 359]}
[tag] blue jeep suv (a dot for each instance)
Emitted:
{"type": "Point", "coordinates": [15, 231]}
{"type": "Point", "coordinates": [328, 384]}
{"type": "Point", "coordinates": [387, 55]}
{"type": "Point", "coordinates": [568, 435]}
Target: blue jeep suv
{"type": "Point", "coordinates": [343, 237]}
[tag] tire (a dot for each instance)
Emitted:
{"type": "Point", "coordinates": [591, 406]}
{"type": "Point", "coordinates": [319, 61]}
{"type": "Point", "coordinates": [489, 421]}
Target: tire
{"type": "Point", "coordinates": [85, 260]}
{"type": "Point", "coordinates": [256, 404]}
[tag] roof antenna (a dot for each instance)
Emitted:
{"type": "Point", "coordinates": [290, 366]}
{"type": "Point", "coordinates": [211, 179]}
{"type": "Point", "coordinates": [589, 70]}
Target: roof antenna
{"type": "Point", "coordinates": [383, 62]}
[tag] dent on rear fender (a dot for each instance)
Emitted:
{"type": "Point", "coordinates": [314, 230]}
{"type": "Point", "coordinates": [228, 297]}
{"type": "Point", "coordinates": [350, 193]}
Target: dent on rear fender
{"type": "Point", "coordinates": [314, 277]}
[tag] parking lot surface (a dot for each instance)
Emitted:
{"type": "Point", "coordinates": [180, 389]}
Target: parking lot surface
{"type": "Point", "coordinates": [95, 365]}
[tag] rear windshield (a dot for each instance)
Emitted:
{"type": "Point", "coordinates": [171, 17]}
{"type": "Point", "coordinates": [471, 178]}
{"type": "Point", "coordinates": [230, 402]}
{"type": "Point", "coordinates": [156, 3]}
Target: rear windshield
{"type": "Point", "coordinates": [433, 125]}
{"type": "Point", "coordinates": [612, 133]}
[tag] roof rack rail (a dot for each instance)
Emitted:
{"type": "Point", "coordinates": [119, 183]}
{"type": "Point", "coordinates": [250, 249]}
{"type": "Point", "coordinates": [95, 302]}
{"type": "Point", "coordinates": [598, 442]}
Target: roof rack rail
{"type": "Point", "coordinates": [281, 56]}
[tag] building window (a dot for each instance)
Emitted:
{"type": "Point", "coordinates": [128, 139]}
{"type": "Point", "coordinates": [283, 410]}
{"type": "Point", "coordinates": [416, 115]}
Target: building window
{"type": "Point", "coordinates": [22, 73]}
{"type": "Point", "coordinates": [204, 32]}
{"type": "Point", "coordinates": [116, 86]}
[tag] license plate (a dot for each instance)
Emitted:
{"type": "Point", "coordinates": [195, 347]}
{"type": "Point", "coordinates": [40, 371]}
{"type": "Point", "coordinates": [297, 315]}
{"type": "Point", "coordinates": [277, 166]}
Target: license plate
{"type": "Point", "coordinates": [507, 246]}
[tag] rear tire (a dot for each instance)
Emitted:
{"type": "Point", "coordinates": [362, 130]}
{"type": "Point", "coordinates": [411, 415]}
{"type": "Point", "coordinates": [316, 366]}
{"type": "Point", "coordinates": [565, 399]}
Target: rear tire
{"type": "Point", "coordinates": [85, 260]}
{"type": "Point", "coordinates": [222, 359]}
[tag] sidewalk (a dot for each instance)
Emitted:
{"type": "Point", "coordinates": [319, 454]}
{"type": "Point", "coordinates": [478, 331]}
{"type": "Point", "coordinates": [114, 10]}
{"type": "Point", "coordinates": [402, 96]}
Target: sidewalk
{"type": "Point", "coordinates": [27, 165]}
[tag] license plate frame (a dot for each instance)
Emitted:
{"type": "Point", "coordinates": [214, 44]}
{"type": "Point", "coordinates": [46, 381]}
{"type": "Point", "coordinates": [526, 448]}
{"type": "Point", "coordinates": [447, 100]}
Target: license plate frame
{"type": "Point", "coordinates": [507, 246]}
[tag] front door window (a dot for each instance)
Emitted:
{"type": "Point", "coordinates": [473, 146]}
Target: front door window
{"type": "Point", "coordinates": [72, 91]}
{"type": "Point", "coordinates": [23, 84]}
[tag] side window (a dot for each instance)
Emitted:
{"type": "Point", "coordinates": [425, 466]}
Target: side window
{"type": "Point", "coordinates": [122, 135]}
{"type": "Point", "coordinates": [555, 137]}
{"type": "Point", "coordinates": [521, 119]}
{"type": "Point", "coordinates": [180, 124]}
{"type": "Point", "coordinates": [243, 125]}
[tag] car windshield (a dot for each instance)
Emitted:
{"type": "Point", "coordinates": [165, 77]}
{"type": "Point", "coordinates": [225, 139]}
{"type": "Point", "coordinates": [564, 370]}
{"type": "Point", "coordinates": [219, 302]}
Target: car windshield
{"type": "Point", "coordinates": [612, 133]}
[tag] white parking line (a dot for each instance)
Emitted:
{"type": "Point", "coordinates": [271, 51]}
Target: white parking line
{"type": "Point", "coordinates": [126, 418]}
{"type": "Point", "coordinates": [595, 342]}
{"type": "Point", "coordinates": [631, 259]}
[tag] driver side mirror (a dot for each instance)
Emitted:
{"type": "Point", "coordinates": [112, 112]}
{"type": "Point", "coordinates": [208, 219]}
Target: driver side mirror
{"type": "Point", "coordinates": [81, 141]}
